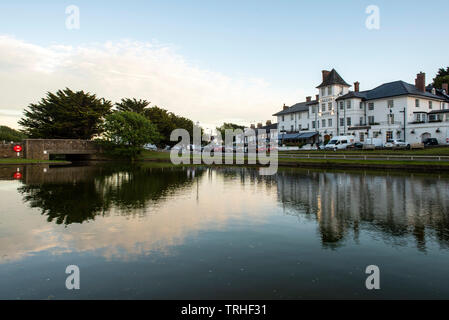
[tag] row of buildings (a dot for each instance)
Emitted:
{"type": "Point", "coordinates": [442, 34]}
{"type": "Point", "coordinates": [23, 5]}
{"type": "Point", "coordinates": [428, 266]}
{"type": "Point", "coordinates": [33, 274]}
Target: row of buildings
{"type": "Point", "coordinates": [394, 110]}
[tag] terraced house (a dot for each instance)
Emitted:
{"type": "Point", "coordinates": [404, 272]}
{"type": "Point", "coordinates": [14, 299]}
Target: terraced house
{"type": "Point", "coordinates": [394, 110]}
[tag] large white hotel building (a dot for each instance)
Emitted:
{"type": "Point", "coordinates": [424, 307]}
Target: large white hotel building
{"type": "Point", "coordinates": [395, 110]}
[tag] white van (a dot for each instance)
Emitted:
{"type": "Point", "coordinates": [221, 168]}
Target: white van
{"type": "Point", "coordinates": [339, 143]}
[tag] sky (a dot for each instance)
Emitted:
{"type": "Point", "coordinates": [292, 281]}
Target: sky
{"type": "Point", "coordinates": [212, 61]}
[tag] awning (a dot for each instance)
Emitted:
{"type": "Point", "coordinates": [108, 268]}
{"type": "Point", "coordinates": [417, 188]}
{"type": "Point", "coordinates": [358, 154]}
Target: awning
{"type": "Point", "coordinates": [297, 136]}
{"type": "Point", "coordinates": [307, 135]}
{"type": "Point", "coordinates": [289, 136]}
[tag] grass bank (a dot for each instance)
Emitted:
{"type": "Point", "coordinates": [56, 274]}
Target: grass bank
{"type": "Point", "coordinates": [437, 151]}
{"type": "Point", "coordinates": [31, 161]}
{"type": "Point", "coordinates": [428, 166]}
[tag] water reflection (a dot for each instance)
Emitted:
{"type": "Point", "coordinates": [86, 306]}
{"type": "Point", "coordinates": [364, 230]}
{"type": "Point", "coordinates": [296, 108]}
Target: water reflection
{"type": "Point", "coordinates": [395, 206]}
{"type": "Point", "coordinates": [145, 208]}
{"type": "Point", "coordinates": [69, 195]}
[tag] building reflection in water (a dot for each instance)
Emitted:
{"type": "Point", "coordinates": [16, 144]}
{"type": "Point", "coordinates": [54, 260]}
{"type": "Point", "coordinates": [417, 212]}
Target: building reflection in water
{"type": "Point", "coordinates": [394, 205]}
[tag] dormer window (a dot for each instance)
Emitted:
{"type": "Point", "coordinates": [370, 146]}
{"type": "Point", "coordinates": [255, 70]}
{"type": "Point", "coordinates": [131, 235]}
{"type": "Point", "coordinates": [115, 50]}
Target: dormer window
{"type": "Point", "coordinates": [329, 90]}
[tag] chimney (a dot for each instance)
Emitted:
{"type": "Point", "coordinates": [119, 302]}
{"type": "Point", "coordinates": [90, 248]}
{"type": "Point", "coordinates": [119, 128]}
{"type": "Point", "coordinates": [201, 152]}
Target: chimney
{"type": "Point", "coordinates": [317, 97]}
{"type": "Point", "coordinates": [445, 86]}
{"type": "Point", "coordinates": [285, 107]}
{"type": "Point", "coordinates": [252, 126]}
{"type": "Point", "coordinates": [325, 74]}
{"type": "Point", "coordinates": [357, 86]}
{"type": "Point", "coordinates": [259, 125]}
{"type": "Point", "coordinates": [420, 82]}
{"type": "Point", "coordinates": [268, 123]}
{"type": "Point", "coordinates": [308, 99]}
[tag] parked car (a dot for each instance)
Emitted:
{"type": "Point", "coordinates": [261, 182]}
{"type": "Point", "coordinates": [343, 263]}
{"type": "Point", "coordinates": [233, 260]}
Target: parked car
{"type": "Point", "coordinates": [430, 142]}
{"type": "Point", "coordinates": [355, 146]}
{"type": "Point", "coordinates": [339, 143]}
{"type": "Point", "coordinates": [396, 144]}
{"type": "Point", "coordinates": [150, 147]}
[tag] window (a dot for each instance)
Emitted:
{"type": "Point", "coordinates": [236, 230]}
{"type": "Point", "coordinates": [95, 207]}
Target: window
{"type": "Point", "coordinates": [283, 118]}
{"type": "Point", "coordinates": [390, 104]}
{"type": "Point", "coordinates": [362, 137]}
{"type": "Point", "coordinates": [417, 103]}
{"type": "Point", "coordinates": [313, 109]}
{"type": "Point", "coordinates": [329, 106]}
{"type": "Point", "coordinates": [371, 106]}
{"type": "Point", "coordinates": [342, 122]}
{"type": "Point", "coordinates": [361, 105]}
{"type": "Point", "coordinates": [329, 122]}
{"type": "Point", "coordinates": [323, 123]}
{"type": "Point", "coordinates": [292, 116]}
{"type": "Point", "coordinates": [313, 124]}
{"type": "Point", "coordinates": [389, 135]}
{"type": "Point", "coordinates": [418, 117]}
{"type": "Point", "coordinates": [361, 121]}
{"type": "Point", "coordinates": [323, 107]}
{"type": "Point", "coordinates": [371, 120]}
{"type": "Point", "coordinates": [329, 90]}
{"type": "Point", "coordinates": [430, 104]}
{"type": "Point", "coordinates": [299, 116]}
{"type": "Point", "coordinates": [348, 104]}
{"type": "Point", "coordinates": [291, 128]}
{"type": "Point", "coordinates": [348, 121]}
{"type": "Point", "coordinates": [323, 92]}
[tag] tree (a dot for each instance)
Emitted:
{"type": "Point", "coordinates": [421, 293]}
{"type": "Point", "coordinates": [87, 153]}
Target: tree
{"type": "Point", "coordinates": [137, 106]}
{"type": "Point", "coordinates": [127, 132]}
{"type": "Point", "coordinates": [232, 126]}
{"type": "Point", "coordinates": [9, 134]}
{"type": "Point", "coordinates": [441, 77]}
{"type": "Point", "coordinates": [166, 122]}
{"type": "Point", "coordinates": [65, 115]}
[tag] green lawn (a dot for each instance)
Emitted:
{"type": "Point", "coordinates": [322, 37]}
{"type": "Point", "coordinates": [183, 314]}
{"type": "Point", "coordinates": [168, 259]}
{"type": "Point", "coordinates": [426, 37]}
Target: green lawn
{"type": "Point", "coordinates": [441, 151]}
{"type": "Point", "coordinates": [165, 156]}
{"type": "Point", "coordinates": [28, 161]}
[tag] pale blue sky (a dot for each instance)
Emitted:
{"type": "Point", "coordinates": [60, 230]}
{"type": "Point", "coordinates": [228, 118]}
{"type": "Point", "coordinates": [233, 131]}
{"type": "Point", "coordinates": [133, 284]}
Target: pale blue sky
{"type": "Point", "coordinates": [286, 43]}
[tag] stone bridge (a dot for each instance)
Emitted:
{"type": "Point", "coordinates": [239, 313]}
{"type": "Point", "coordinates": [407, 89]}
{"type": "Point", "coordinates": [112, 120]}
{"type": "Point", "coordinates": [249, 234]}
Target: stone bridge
{"type": "Point", "coordinates": [42, 149]}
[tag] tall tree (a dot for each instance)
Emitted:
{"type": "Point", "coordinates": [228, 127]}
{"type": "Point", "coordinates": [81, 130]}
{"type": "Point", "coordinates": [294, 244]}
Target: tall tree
{"type": "Point", "coordinates": [232, 126]}
{"type": "Point", "coordinates": [133, 105]}
{"type": "Point", "coordinates": [441, 77]}
{"type": "Point", "coordinates": [65, 115]}
{"type": "Point", "coordinates": [166, 122]}
{"type": "Point", "coordinates": [9, 134]}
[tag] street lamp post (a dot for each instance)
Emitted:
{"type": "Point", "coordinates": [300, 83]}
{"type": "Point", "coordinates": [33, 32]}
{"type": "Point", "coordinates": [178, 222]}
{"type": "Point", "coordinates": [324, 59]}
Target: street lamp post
{"type": "Point", "coordinates": [405, 135]}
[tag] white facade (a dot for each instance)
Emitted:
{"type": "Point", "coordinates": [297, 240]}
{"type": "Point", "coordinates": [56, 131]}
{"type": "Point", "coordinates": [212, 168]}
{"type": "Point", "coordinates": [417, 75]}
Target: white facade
{"type": "Point", "coordinates": [394, 110]}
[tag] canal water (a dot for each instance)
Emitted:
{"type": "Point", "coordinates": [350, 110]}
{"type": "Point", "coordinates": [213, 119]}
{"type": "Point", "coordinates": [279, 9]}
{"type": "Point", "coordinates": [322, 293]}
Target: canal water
{"type": "Point", "coordinates": [160, 232]}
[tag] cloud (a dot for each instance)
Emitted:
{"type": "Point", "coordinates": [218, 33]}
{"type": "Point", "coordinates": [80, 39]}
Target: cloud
{"type": "Point", "coordinates": [130, 69]}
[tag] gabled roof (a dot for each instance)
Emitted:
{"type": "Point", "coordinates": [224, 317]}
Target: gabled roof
{"type": "Point", "coordinates": [299, 107]}
{"type": "Point", "coordinates": [439, 92]}
{"type": "Point", "coordinates": [391, 89]}
{"type": "Point", "coordinates": [333, 78]}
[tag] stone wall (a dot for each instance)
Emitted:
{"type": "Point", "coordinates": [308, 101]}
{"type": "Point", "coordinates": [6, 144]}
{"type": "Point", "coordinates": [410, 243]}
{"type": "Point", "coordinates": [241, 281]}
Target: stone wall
{"type": "Point", "coordinates": [6, 151]}
{"type": "Point", "coordinates": [41, 149]}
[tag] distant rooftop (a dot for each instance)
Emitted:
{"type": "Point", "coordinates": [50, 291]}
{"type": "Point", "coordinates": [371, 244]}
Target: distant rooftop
{"type": "Point", "coordinates": [333, 78]}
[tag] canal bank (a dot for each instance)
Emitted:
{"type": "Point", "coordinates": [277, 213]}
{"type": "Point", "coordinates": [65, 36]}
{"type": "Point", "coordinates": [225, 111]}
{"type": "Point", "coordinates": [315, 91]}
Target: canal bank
{"type": "Point", "coordinates": [407, 165]}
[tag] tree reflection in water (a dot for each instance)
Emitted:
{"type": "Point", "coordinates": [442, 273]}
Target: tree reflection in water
{"type": "Point", "coordinates": [390, 206]}
{"type": "Point", "coordinates": [77, 194]}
